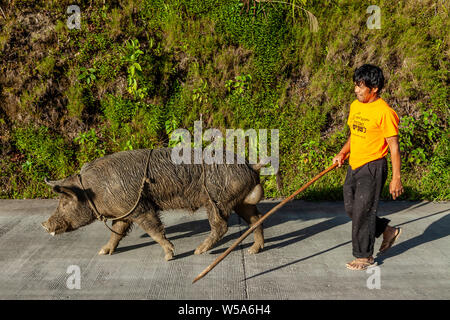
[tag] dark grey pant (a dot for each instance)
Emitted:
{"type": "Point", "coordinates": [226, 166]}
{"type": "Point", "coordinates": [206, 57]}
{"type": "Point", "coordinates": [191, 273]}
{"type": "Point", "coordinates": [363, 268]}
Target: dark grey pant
{"type": "Point", "coordinates": [362, 190]}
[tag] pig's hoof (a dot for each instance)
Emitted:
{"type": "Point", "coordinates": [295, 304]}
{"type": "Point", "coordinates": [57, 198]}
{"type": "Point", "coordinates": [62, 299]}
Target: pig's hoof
{"type": "Point", "coordinates": [201, 249]}
{"type": "Point", "coordinates": [169, 250]}
{"type": "Point", "coordinates": [254, 249]}
{"type": "Point", "coordinates": [168, 256]}
{"type": "Point", "coordinates": [106, 250]}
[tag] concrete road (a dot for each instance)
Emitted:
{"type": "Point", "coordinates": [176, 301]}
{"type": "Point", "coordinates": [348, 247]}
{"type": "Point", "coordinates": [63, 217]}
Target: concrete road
{"type": "Point", "coordinates": [307, 246]}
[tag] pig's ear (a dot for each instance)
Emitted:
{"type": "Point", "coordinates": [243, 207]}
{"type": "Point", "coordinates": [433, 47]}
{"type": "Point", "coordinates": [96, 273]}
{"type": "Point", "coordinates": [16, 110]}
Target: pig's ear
{"type": "Point", "coordinates": [53, 183]}
{"type": "Point", "coordinates": [67, 191]}
{"type": "Point", "coordinates": [59, 188]}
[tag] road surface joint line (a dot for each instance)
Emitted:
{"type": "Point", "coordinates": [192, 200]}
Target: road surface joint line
{"type": "Point", "coordinates": [241, 247]}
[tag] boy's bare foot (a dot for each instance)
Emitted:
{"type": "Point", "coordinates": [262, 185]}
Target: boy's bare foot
{"type": "Point", "coordinates": [361, 263]}
{"type": "Point", "coordinates": [390, 235]}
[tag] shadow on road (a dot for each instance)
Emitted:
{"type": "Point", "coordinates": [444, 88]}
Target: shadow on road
{"type": "Point", "coordinates": [437, 230]}
{"type": "Point", "coordinates": [191, 228]}
{"type": "Point", "coordinates": [185, 230]}
{"type": "Point", "coordinates": [295, 236]}
{"type": "Point", "coordinates": [336, 219]}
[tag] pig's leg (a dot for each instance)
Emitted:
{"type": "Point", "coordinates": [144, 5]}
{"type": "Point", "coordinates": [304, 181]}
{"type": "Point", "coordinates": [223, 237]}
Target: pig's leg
{"type": "Point", "coordinates": [250, 214]}
{"type": "Point", "coordinates": [219, 227]}
{"type": "Point", "coordinates": [151, 224]}
{"type": "Point", "coordinates": [121, 227]}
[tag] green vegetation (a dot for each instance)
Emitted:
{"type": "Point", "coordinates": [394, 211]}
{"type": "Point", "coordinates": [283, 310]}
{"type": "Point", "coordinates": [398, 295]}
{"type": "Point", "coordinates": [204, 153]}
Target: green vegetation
{"type": "Point", "coordinates": [138, 70]}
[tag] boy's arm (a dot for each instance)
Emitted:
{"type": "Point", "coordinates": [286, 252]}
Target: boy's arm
{"type": "Point", "coordinates": [339, 158]}
{"type": "Point", "coordinates": [395, 187]}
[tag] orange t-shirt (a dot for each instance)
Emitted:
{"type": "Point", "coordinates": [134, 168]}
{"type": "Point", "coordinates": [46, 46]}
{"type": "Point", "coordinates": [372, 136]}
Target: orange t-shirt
{"type": "Point", "coordinates": [370, 123]}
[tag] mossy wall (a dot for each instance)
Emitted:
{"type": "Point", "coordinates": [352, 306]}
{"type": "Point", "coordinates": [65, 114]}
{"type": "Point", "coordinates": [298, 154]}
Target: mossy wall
{"type": "Point", "coordinates": [138, 70]}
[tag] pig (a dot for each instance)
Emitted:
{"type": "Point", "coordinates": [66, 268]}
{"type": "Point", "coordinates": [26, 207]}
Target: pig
{"type": "Point", "coordinates": [112, 184]}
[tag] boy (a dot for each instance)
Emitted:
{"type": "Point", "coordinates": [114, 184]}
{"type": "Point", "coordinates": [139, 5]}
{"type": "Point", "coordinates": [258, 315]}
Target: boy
{"type": "Point", "coordinates": [374, 130]}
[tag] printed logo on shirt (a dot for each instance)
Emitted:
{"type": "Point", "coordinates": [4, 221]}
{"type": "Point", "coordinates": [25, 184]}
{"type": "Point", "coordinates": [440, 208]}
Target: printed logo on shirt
{"type": "Point", "coordinates": [359, 124]}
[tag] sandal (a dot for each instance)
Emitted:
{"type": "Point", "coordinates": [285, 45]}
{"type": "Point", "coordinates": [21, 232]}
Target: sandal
{"type": "Point", "coordinates": [387, 244]}
{"type": "Point", "coordinates": [358, 264]}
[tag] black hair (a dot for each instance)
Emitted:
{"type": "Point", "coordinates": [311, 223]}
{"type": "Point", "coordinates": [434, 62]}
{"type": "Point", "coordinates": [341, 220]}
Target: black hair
{"type": "Point", "coordinates": [370, 75]}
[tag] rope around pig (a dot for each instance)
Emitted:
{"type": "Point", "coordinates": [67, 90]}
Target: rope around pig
{"type": "Point", "coordinates": [103, 218]}
{"type": "Point", "coordinates": [145, 179]}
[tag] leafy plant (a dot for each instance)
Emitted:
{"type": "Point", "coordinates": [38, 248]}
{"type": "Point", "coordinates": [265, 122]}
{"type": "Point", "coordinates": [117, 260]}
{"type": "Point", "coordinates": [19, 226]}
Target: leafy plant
{"type": "Point", "coordinates": [88, 74]}
{"type": "Point", "coordinates": [200, 94]}
{"type": "Point", "coordinates": [134, 69]}
{"type": "Point", "coordinates": [418, 136]}
{"type": "Point", "coordinates": [170, 125]}
{"type": "Point", "coordinates": [240, 84]}
{"type": "Point", "coordinates": [90, 146]}
{"type": "Point", "coordinates": [315, 155]}
{"type": "Point", "coordinates": [129, 144]}
{"type": "Point", "coordinates": [118, 110]}
{"type": "Point", "coordinates": [45, 152]}
{"type": "Point", "coordinates": [313, 23]}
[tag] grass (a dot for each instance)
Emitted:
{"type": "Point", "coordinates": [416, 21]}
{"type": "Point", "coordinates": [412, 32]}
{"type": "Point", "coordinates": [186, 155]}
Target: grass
{"type": "Point", "coordinates": [68, 98]}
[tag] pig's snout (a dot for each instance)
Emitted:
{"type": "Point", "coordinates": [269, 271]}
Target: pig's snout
{"type": "Point", "coordinates": [46, 227]}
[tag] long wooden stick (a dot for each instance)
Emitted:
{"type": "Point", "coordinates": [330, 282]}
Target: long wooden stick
{"type": "Point", "coordinates": [261, 220]}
